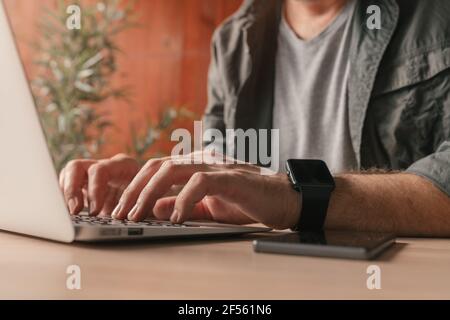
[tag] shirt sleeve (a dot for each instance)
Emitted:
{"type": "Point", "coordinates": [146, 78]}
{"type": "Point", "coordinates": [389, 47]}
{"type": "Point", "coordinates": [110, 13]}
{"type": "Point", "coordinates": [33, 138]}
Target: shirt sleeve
{"type": "Point", "coordinates": [213, 118]}
{"type": "Point", "coordinates": [435, 167]}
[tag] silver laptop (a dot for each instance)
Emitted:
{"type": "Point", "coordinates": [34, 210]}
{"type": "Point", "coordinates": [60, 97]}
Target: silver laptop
{"type": "Point", "coordinates": [31, 202]}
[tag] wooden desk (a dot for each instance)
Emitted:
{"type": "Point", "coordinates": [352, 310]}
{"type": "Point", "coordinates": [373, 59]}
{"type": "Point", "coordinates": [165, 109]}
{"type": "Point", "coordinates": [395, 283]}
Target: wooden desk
{"type": "Point", "coordinates": [215, 269]}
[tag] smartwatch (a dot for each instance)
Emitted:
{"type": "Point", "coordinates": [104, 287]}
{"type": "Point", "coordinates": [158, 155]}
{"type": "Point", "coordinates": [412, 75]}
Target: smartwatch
{"type": "Point", "coordinates": [314, 182]}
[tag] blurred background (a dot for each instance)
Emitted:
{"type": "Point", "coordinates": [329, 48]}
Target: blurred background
{"type": "Point", "coordinates": [135, 70]}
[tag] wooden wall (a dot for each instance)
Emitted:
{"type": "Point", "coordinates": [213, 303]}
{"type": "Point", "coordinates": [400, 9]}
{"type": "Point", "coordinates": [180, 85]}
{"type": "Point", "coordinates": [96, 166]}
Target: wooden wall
{"type": "Point", "coordinates": [165, 60]}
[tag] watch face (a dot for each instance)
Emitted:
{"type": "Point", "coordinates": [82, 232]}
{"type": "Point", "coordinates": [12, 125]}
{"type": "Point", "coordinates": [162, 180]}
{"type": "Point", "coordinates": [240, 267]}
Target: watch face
{"type": "Point", "coordinates": [309, 172]}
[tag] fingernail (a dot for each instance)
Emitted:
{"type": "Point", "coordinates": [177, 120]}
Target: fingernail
{"type": "Point", "coordinates": [175, 216]}
{"type": "Point", "coordinates": [132, 212]}
{"type": "Point", "coordinates": [116, 211]}
{"type": "Point", "coordinates": [72, 205]}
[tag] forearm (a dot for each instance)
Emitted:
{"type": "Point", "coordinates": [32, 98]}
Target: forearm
{"type": "Point", "coordinates": [404, 204]}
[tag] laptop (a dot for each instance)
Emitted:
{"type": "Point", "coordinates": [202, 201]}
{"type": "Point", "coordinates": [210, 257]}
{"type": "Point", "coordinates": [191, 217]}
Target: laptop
{"type": "Point", "coordinates": [31, 200]}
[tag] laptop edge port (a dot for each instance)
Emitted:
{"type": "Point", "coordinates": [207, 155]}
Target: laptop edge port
{"type": "Point", "coordinates": [135, 232]}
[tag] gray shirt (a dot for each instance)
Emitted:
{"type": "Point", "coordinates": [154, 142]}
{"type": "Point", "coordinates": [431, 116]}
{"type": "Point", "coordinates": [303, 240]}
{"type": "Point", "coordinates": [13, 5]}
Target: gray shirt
{"type": "Point", "coordinates": [311, 107]}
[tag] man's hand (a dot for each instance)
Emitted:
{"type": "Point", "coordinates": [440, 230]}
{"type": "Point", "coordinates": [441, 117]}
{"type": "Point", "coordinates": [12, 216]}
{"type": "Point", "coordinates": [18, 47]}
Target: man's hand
{"type": "Point", "coordinates": [97, 184]}
{"type": "Point", "coordinates": [227, 193]}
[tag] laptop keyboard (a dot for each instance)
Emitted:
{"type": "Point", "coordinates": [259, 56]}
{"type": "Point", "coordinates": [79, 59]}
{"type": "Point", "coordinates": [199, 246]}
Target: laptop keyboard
{"type": "Point", "coordinates": [108, 221]}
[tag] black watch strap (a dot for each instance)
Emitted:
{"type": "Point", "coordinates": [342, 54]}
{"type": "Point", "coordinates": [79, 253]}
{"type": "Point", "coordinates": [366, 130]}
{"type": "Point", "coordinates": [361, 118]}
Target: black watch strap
{"type": "Point", "coordinates": [315, 183]}
{"type": "Point", "coordinates": [314, 209]}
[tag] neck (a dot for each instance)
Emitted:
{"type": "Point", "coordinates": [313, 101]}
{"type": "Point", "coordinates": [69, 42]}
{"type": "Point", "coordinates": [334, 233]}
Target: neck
{"type": "Point", "coordinates": [308, 18]}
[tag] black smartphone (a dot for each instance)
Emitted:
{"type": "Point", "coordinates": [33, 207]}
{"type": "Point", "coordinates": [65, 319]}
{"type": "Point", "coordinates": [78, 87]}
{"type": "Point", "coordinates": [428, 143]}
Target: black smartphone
{"type": "Point", "coordinates": [335, 244]}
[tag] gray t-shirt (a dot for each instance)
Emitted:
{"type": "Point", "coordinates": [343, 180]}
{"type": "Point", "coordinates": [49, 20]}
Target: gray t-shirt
{"type": "Point", "coordinates": [311, 108]}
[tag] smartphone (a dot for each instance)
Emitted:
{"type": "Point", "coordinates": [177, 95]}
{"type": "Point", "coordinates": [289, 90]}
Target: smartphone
{"type": "Point", "coordinates": [333, 244]}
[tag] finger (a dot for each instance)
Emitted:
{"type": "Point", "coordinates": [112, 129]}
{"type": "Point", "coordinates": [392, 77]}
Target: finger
{"type": "Point", "coordinates": [75, 175]}
{"type": "Point", "coordinates": [164, 207]}
{"type": "Point", "coordinates": [171, 173]}
{"type": "Point", "coordinates": [110, 202]}
{"type": "Point", "coordinates": [98, 178]}
{"type": "Point", "coordinates": [61, 178]}
{"type": "Point", "coordinates": [115, 172]}
{"type": "Point", "coordinates": [123, 169]}
{"type": "Point", "coordinates": [85, 197]}
{"type": "Point", "coordinates": [199, 186]}
{"type": "Point", "coordinates": [132, 192]}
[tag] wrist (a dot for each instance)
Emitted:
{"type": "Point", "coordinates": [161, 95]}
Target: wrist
{"type": "Point", "coordinates": [292, 207]}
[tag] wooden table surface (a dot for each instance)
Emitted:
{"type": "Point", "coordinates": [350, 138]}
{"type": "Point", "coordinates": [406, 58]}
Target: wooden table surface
{"type": "Point", "coordinates": [215, 269]}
